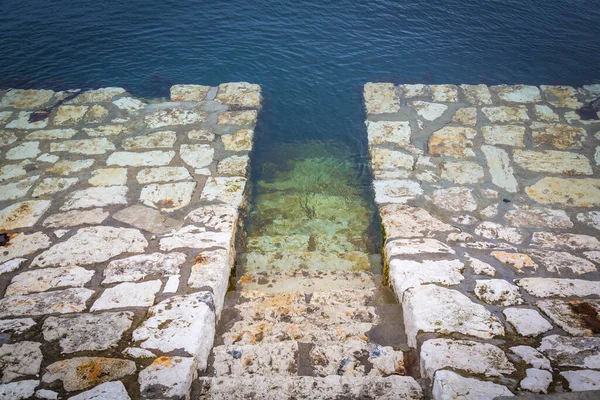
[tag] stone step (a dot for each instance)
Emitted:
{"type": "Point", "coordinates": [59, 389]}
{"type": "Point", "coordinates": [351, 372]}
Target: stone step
{"type": "Point", "coordinates": [305, 387]}
{"type": "Point", "coordinates": [339, 243]}
{"type": "Point", "coordinates": [351, 358]}
{"type": "Point", "coordinates": [284, 260]}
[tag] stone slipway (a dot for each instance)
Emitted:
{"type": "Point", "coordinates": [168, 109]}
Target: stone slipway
{"type": "Point", "coordinates": [490, 202]}
{"type": "Point", "coordinates": [118, 218]}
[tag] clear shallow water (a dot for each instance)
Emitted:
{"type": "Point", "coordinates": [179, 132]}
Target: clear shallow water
{"type": "Point", "coordinates": [311, 57]}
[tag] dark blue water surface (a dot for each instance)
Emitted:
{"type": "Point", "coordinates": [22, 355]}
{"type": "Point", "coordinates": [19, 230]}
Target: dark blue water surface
{"type": "Point", "coordinates": [311, 57]}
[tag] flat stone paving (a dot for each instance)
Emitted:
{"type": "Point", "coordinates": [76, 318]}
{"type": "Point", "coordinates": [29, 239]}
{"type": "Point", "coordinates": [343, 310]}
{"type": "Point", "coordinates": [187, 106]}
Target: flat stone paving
{"type": "Point", "coordinates": [490, 202]}
{"type": "Point", "coordinates": [118, 218]}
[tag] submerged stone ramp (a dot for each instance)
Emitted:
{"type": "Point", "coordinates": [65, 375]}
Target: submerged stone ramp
{"type": "Point", "coordinates": [117, 224]}
{"type": "Point", "coordinates": [490, 202]}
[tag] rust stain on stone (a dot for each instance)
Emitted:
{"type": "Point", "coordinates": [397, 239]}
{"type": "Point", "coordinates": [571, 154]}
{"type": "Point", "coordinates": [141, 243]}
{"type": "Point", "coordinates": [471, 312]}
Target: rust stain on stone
{"type": "Point", "coordinates": [587, 314]}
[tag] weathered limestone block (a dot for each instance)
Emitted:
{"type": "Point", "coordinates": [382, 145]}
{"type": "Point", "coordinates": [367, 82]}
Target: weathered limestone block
{"type": "Point", "coordinates": [517, 93]}
{"type": "Point", "coordinates": [6, 138]}
{"type": "Point", "coordinates": [565, 351]}
{"type": "Point", "coordinates": [492, 230]}
{"type": "Point", "coordinates": [583, 192]}
{"type": "Point", "coordinates": [431, 308]}
{"type": "Point", "coordinates": [507, 135]}
{"type": "Point", "coordinates": [51, 134]}
{"type": "Point", "coordinates": [20, 390]}
{"type": "Point", "coordinates": [41, 280]}
{"type": "Point", "coordinates": [20, 360]}
{"type": "Point", "coordinates": [463, 355]}
{"type": "Point", "coordinates": [95, 197]}
{"type": "Point", "coordinates": [381, 98]}
{"type": "Point", "coordinates": [396, 190]}
{"type": "Point", "coordinates": [146, 159]}
{"type": "Point", "coordinates": [148, 219]}
{"type": "Point", "coordinates": [583, 380]}
{"type": "Point", "coordinates": [26, 99]}
{"type": "Point", "coordinates": [168, 196]}
{"type": "Point", "coordinates": [429, 111]}
{"type": "Point", "coordinates": [83, 372]}
{"type": "Point", "coordinates": [202, 134]}
{"type": "Point", "coordinates": [410, 91]}
{"type": "Point", "coordinates": [180, 323]}
{"type": "Point", "coordinates": [189, 92]}
{"type": "Point", "coordinates": [168, 378]}
{"type": "Point", "coordinates": [277, 358]}
{"type": "Point", "coordinates": [395, 133]}
{"type": "Point", "coordinates": [504, 114]}
{"type": "Point", "coordinates": [551, 161]}
{"type": "Point", "coordinates": [563, 137]}
{"type": "Point", "coordinates": [129, 104]}
{"type": "Point", "coordinates": [109, 177]}
{"type": "Point", "coordinates": [498, 292]}
{"type": "Point", "coordinates": [87, 332]}
{"type": "Point", "coordinates": [562, 262]}
{"type": "Point", "coordinates": [234, 165]}
{"type": "Point", "coordinates": [24, 150]}
{"type": "Point", "coordinates": [84, 146]}
{"type": "Point", "coordinates": [60, 302]}
{"type": "Point", "coordinates": [454, 199]}
{"type": "Point", "coordinates": [536, 381]}
{"type": "Point", "coordinates": [545, 113]}
{"type": "Point", "coordinates": [109, 390]}
{"type": "Point", "coordinates": [218, 217]}
{"type": "Point", "coordinates": [195, 238]}
{"type": "Point", "coordinates": [462, 172]}
{"type": "Point", "coordinates": [53, 185]}
{"type": "Point", "coordinates": [466, 116]}
{"type": "Point", "coordinates": [561, 96]}
{"type": "Point", "coordinates": [136, 268]}
{"type": "Point", "coordinates": [102, 95]}
{"type": "Point", "coordinates": [532, 357]}
{"type": "Point", "coordinates": [211, 270]}
{"type": "Point", "coordinates": [390, 161]}
{"type": "Point", "coordinates": [239, 94]}
{"type": "Point", "coordinates": [228, 190]}
{"type": "Point", "coordinates": [106, 130]}
{"type": "Point", "coordinates": [567, 241]}
{"type": "Point", "coordinates": [479, 267]}
{"type": "Point", "coordinates": [23, 214]}
{"type": "Point", "coordinates": [500, 169]}
{"type": "Point", "coordinates": [529, 217]}
{"type": "Point", "coordinates": [406, 274]}
{"type": "Point", "coordinates": [452, 141]}
{"type": "Point", "coordinates": [17, 326]}
{"type": "Point", "coordinates": [477, 94]}
{"type": "Point", "coordinates": [22, 122]}
{"type": "Point", "coordinates": [241, 140]}
{"type": "Point", "coordinates": [11, 171]}
{"type": "Point", "coordinates": [66, 167]}
{"type": "Point", "coordinates": [527, 322]}
{"type": "Point", "coordinates": [22, 244]}
{"type": "Point", "coordinates": [403, 247]}
{"type": "Point", "coordinates": [174, 117]}
{"type": "Point", "coordinates": [95, 114]}
{"type": "Point", "coordinates": [153, 140]}
{"type": "Point", "coordinates": [246, 118]}
{"type": "Point", "coordinates": [18, 189]}
{"type": "Point", "coordinates": [93, 245]}
{"type": "Point", "coordinates": [68, 219]}
{"type": "Point", "coordinates": [444, 93]}
{"type": "Point", "coordinates": [450, 385]}
{"type": "Point", "coordinates": [572, 316]}
{"type": "Point", "coordinates": [69, 115]}
{"type": "Point", "coordinates": [162, 174]}
{"type": "Point", "coordinates": [128, 295]}
{"type": "Point", "coordinates": [554, 287]}
{"type": "Point", "coordinates": [401, 220]}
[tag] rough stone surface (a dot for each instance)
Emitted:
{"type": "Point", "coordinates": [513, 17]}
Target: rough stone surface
{"type": "Point", "coordinates": [167, 377]}
{"type": "Point", "coordinates": [406, 274]}
{"type": "Point", "coordinates": [136, 268]}
{"type": "Point", "coordinates": [504, 135]}
{"type": "Point", "coordinates": [96, 197]}
{"type": "Point", "coordinates": [20, 360]}
{"type": "Point", "coordinates": [128, 295]}
{"type": "Point", "coordinates": [20, 390]}
{"type": "Point", "coordinates": [453, 142]}
{"type": "Point", "coordinates": [532, 357]}
{"type": "Point", "coordinates": [574, 317]}
{"type": "Point", "coordinates": [60, 302]}
{"type": "Point", "coordinates": [554, 287]}
{"type": "Point", "coordinates": [148, 219]}
{"type": "Point", "coordinates": [537, 380]}
{"type": "Point", "coordinates": [168, 196]}
{"type": "Point", "coordinates": [83, 372]}
{"type": "Point", "coordinates": [449, 385]}
{"type": "Point", "coordinates": [462, 172]}
{"type": "Point", "coordinates": [526, 321]}
{"type": "Point", "coordinates": [564, 351]}
{"type": "Point", "coordinates": [500, 169]}
{"type": "Point", "coordinates": [498, 292]}
{"type": "Point", "coordinates": [558, 162]}
{"type": "Point", "coordinates": [105, 391]}
{"type": "Point", "coordinates": [568, 192]}
{"type": "Point", "coordinates": [74, 218]}
{"type": "Point", "coordinates": [41, 280]}
{"type": "Point", "coordinates": [580, 381]}
{"type": "Point", "coordinates": [23, 214]}
{"type": "Point", "coordinates": [381, 98]}
{"type": "Point", "coordinates": [405, 221]}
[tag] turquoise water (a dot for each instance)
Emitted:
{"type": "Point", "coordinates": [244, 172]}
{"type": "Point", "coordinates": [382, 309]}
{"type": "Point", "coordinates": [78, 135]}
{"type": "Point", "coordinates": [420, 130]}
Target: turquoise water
{"type": "Point", "coordinates": [311, 58]}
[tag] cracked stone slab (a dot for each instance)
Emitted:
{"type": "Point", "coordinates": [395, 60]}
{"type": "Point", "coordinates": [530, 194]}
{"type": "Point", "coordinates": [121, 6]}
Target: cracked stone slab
{"type": "Point", "coordinates": [497, 292]}
{"type": "Point", "coordinates": [20, 360]}
{"type": "Point", "coordinates": [477, 94]}
{"type": "Point", "coordinates": [105, 130]}
{"type": "Point", "coordinates": [430, 308]}
{"type": "Point", "coordinates": [74, 218]}
{"type": "Point", "coordinates": [197, 155]}
{"type": "Point", "coordinates": [450, 385]}
{"type": "Point", "coordinates": [406, 274]}
{"type": "Point", "coordinates": [13, 171]}
{"type": "Point", "coordinates": [577, 317]}
{"type": "Point", "coordinates": [59, 302]}
{"type": "Point", "coordinates": [136, 268]}
{"type": "Point", "coordinates": [92, 245]}
{"type": "Point", "coordinates": [83, 372]}
{"type": "Point", "coordinates": [568, 351]}
{"type": "Point", "coordinates": [480, 267]}
{"type": "Point", "coordinates": [152, 140]}
{"type": "Point", "coordinates": [526, 321]}
{"type": "Point", "coordinates": [108, 177]}
{"type": "Point", "coordinates": [381, 98]}
{"type": "Point", "coordinates": [466, 116]}
{"type": "Point", "coordinates": [129, 104]}
{"type": "Point", "coordinates": [145, 159]}
{"type": "Point", "coordinates": [555, 287]}
{"type": "Point", "coordinates": [23, 244]}
{"type": "Point", "coordinates": [148, 219]}
{"type": "Point", "coordinates": [41, 280]}
{"type": "Point", "coordinates": [102, 95]}
{"type": "Point", "coordinates": [463, 355]}
{"type": "Point", "coordinates": [228, 190]}
{"type": "Point", "coordinates": [168, 196]}
{"type": "Point", "coordinates": [444, 93]}
{"type": "Point", "coordinates": [569, 192]}
{"type": "Point", "coordinates": [401, 220]}
{"type": "Point", "coordinates": [87, 332]}
{"type": "Point", "coordinates": [184, 322]}
{"type": "Point", "coordinates": [83, 146]}
{"type": "Point", "coordinates": [67, 115]}
{"type": "Point", "coordinates": [95, 197]}
{"type": "Point", "coordinates": [128, 295]}
{"type": "Point", "coordinates": [168, 377]}
{"type": "Point", "coordinates": [492, 230]}
{"type": "Point", "coordinates": [23, 214]}
{"type": "Point", "coordinates": [500, 169]}
{"type": "Point", "coordinates": [162, 174]}
{"type": "Point", "coordinates": [106, 391]}
{"type": "Point", "coordinates": [278, 358]}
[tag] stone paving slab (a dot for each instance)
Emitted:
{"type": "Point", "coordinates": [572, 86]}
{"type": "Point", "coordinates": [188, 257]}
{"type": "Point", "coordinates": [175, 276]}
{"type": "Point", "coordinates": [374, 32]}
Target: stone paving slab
{"type": "Point", "coordinates": [110, 207]}
{"type": "Point", "coordinates": [501, 182]}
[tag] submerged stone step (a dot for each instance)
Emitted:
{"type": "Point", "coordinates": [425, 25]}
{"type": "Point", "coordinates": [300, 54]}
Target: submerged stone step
{"type": "Point", "coordinates": [333, 242]}
{"type": "Point", "coordinates": [286, 260]}
{"type": "Point", "coordinates": [350, 358]}
{"type": "Point", "coordinates": [308, 282]}
{"type": "Point", "coordinates": [275, 387]}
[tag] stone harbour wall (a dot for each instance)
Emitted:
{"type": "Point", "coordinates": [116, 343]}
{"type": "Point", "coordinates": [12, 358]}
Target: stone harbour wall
{"type": "Point", "coordinates": [490, 203]}
{"type": "Point", "coordinates": [118, 218]}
